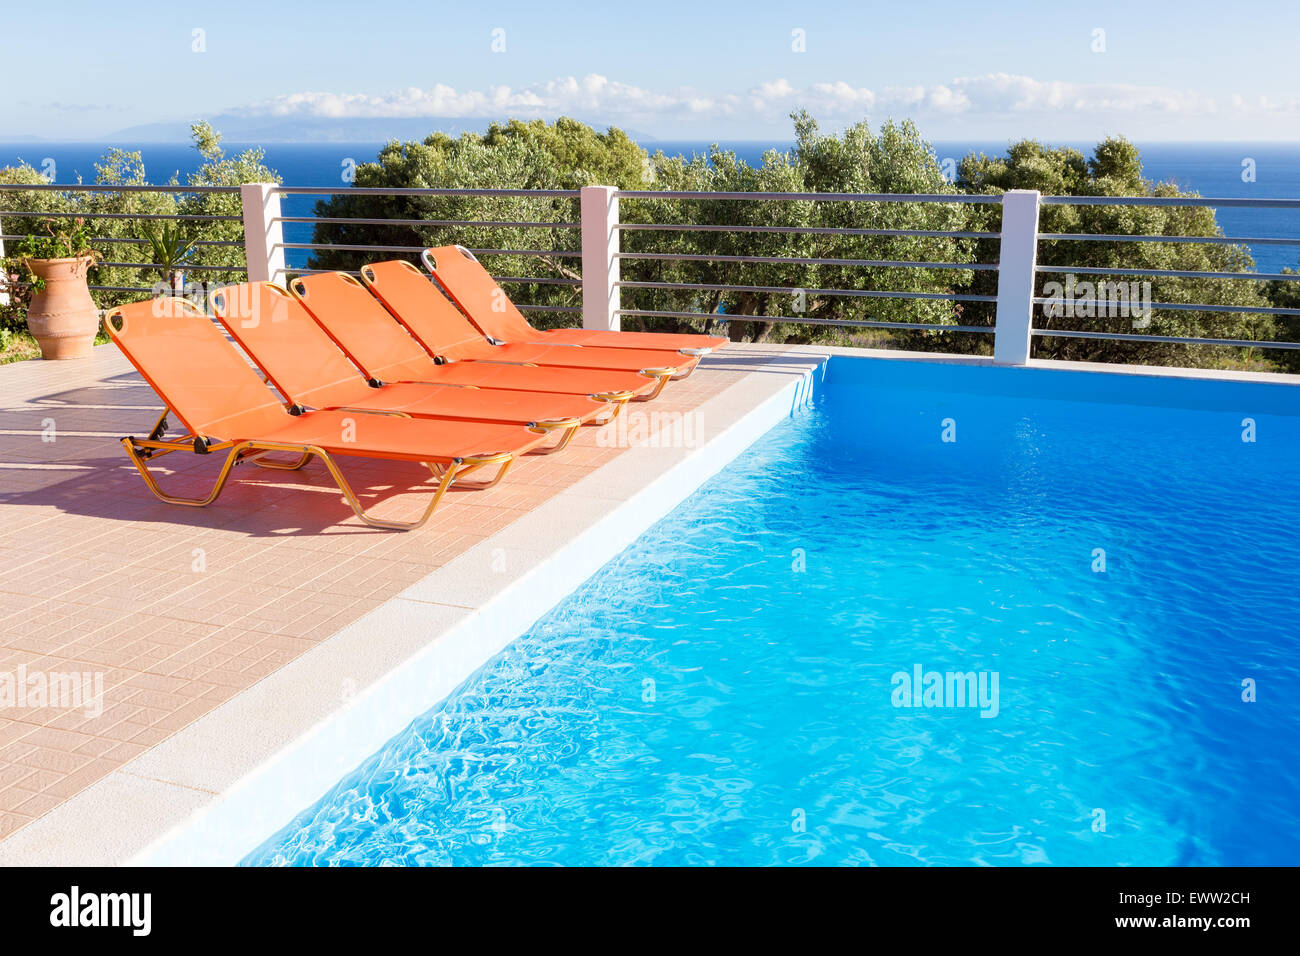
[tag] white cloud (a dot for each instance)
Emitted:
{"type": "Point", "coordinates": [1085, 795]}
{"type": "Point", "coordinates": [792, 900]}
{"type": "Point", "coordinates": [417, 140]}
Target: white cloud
{"type": "Point", "coordinates": [993, 94]}
{"type": "Point", "coordinates": [1005, 93]}
{"type": "Point", "coordinates": [840, 96]}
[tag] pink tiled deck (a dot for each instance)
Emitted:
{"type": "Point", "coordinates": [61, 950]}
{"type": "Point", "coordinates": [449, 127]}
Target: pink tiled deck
{"type": "Point", "coordinates": [181, 608]}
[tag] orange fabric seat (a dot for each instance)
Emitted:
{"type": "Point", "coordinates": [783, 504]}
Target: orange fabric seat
{"type": "Point", "coordinates": [470, 286]}
{"type": "Point", "coordinates": [308, 369]}
{"type": "Point", "coordinates": [431, 317]}
{"type": "Point", "coordinates": [399, 439]}
{"type": "Point", "coordinates": [383, 349]}
{"type": "Point", "coordinates": [225, 406]}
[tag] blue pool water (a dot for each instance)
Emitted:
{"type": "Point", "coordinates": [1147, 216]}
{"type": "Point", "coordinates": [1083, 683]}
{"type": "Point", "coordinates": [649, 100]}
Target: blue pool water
{"type": "Point", "coordinates": [723, 691]}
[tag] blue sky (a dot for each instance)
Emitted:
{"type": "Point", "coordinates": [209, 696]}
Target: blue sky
{"type": "Point", "coordinates": [1159, 71]}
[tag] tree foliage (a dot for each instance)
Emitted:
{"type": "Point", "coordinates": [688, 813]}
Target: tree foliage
{"type": "Point", "coordinates": [569, 155]}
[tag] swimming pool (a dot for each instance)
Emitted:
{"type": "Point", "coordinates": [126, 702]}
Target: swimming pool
{"type": "Point", "coordinates": [1101, 559]}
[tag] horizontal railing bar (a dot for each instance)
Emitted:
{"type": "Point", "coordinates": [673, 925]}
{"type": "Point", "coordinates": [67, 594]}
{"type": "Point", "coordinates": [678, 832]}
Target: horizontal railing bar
{"type": "Point", "coordinates": [123, 215]}
{"type": "Point", "coordinates": [184, 268]}
{"type": "Point", "coordinates": [120, 288]}
{"type": "Point", "coordinates": [487, 224]}
{"type": "Point", "coordinates": [1168, 201]}
{"type": "Point", "coordinates": [145, 242]}
{"type": "Point", "coordinates": [1177, 307]}
{"type": "Point", "coordinates": [1170, 339]}
{"type": "Point", "coordinates": [1215, 240]}
{"type": "Point", "coordinates": [89, 188]}
{"type": "Point", "coordinates": [498, 279]}
{"type": "Point", "coordinates": [522, 279]}
{"type": "Point", "coordinates": [781, 260]}
{"type": "Point", "coordinates": [671, 315]}
{"type": "Point", "coordinates": [1168, 273]}
{"type": "Point", "coordinates": [551, 308]}
{"type": "Point", "coordinates": [806, 230]}
{"type": "Point", "coordinates": [812, 197]}
{"type": "Point", "coordinates": [418, 191]}
{"type": "Point", "coordinates": [854, 323]}
{"type": "Point", "coordinates": [562, 253]}
{"type": "Point", "coordinates": [864, 293]}
{"type": "Point", "coordinates": [304, 271]}
{"type": "Point", "coordinates": [342, 247]}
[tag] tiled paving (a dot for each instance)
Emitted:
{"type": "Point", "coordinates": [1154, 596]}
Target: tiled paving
{"type": "Point", "coordinates": [179, 609]}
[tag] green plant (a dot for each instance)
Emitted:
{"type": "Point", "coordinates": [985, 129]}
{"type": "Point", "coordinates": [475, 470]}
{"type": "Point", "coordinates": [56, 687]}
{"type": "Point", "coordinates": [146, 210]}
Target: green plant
{"type": "Point", "coordinates": [64, 239]}
{"type": "Point", "coordinates": [170, 249]}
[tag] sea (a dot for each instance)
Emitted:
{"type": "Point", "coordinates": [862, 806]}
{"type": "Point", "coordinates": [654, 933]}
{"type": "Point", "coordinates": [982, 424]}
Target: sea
{"type": "Point", "coordinates": [1219, 170]}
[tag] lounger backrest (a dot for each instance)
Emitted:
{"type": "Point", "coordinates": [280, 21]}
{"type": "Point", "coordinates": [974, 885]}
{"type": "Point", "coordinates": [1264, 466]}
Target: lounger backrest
{"type": "Point", "coordinates": [470, 286]}
{"type": "Point", "coordinates": [411, 296]}
{"type": "Point", "coordinates": [362, 327]}
{"type": "Point", "coordinates": [203, 379]}
{"type": "Point", "coordinates": [287, 344]}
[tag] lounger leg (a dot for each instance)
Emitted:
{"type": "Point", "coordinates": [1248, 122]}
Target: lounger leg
{"type": "Point", "coordinates": [149, 479]}
{"type": "Point", "coordinates": [504, 459]}
{"type": "Point", "coordinates": [567, 427]}
{"type": "Point", "coordinates": [284, 465]}
{"type": "Point", "coordinates": [449, 475]}
{"type": "Point", "coordinates": [616, 399]}
{"type": "Point", "coordinates": [695, 354]}
{"type": "Point", "coordinates": [663, 375]}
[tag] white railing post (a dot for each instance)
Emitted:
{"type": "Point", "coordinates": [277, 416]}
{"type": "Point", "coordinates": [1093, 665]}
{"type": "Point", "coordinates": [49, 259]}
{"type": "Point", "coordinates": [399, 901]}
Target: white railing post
{"type": "Point", "coordinates": [263, 232]}
{"type": "Point", "coordinates": [1016, 262]}
{"type": "Point", "coordinates": [4, 273]}
{"type": "Point", "coordinates": [600, 292]}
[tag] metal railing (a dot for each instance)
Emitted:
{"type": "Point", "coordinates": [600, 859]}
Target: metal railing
{"type": "Point", "coordinates": [1094, 304]}
{"type": "Point", "coordinates": [91, 189]}
{"type": "Point", "coordinates": [1011, 248]}
{"type": "Point", "coordinates": [803, 261]}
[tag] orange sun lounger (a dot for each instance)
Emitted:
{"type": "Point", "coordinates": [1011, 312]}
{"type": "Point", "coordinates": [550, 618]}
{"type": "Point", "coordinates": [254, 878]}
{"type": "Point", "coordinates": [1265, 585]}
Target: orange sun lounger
{"type": "Point", "coordinates": [432, 318]}
{"type": "Point", "coordinates": [383, 350]}
{"type": "Point", "coordinates": [307, 368]}
{"type": "Point", "coordinates": [470, 286]}
{"type": "Point", "coordinates": [226, 407]}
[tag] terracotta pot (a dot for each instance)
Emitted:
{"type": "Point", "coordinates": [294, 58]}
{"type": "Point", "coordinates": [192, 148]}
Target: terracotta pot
{"type": "Point", "coordinates": [62, 317]}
